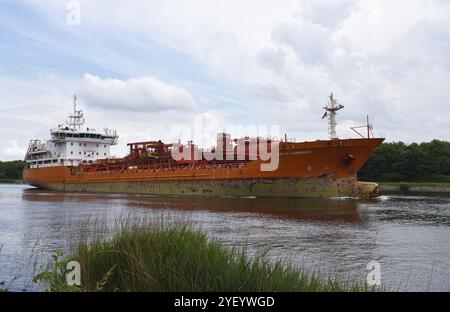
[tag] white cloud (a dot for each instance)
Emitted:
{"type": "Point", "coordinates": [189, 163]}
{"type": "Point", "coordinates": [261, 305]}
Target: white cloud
{"type": "Point", "coordinates": [388, 59]}
{"type": "Point", "coordinates": [312, 42]}
{"type": "Point", "coordinates": [136, 94]}
{"type": "Point", "coordinates": [327, 13]}
{"type": "Point", "coordinates": [374, 25]}
{"type": "Point", "coordinates": [11, 149]}
{"type": "Point", "coordinates": [30, 108]}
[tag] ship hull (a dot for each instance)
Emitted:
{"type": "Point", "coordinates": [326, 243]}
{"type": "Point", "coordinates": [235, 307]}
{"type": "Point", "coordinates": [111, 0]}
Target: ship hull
{"type": "Point", "coordinates": [308, 169]}
{"type": "Point", "coordinates": [294, 188]}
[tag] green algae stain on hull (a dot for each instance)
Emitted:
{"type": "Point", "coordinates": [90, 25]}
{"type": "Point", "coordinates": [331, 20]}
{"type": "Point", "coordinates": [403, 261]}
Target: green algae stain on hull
{"type": "Point", "coordinates": [296, 188]}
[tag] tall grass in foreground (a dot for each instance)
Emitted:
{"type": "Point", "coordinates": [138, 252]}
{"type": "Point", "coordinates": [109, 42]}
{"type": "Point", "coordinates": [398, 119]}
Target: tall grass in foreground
{"type": "Point", "coordinates": [178, 258]}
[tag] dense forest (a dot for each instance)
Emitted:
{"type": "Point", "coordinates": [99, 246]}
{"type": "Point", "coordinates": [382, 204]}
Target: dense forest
{"type": "Point", "coordinates": [399, 162]}
{"type": "Point", "coordinates": [11, 170]}
{"type": "Point", "coordinates": [391, 162]}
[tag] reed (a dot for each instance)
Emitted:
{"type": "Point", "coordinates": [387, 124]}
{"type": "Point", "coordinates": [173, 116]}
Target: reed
{"type": "Point", "coordinates": [177, 257]}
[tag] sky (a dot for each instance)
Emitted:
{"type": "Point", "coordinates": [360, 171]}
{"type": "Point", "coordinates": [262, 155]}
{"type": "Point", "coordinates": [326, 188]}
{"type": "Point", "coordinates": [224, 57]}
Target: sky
{"type": "Point", "coordinates": [188, 69]}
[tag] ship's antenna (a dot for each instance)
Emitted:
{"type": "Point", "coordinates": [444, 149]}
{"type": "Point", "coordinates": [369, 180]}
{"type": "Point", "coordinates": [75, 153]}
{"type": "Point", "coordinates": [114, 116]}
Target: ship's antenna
{"type": "Point", "coordinates": [75, 120]}
{"type": "Point", "coordinates": [74, 104]}
{"type": "Point", "coordinates": [330, 112]}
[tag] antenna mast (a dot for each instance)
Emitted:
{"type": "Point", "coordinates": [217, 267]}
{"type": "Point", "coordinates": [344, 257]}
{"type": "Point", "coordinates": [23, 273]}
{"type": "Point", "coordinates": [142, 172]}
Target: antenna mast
{"type": "Point", "coordinates": [330, 112]}
{"type": "Point", "coordinates": [75, 120]}
{"type": "Point", "coordinates": [74, 104]}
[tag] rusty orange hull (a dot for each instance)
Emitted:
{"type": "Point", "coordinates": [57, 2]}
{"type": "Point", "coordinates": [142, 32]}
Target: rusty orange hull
{"type": "Point", "coordinates": [307, 169]}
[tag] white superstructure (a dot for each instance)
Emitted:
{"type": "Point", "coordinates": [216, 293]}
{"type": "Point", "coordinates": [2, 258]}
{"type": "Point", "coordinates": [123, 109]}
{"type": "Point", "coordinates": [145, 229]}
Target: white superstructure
{"type": "Point", "coordinates": [71, 144]}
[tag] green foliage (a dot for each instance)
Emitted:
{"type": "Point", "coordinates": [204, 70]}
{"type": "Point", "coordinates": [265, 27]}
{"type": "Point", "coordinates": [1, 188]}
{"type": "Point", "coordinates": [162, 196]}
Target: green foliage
{"type": "Point", "coordinates": [11, 169]}
{"type": "Point", "coordinates": [399, 162]}
{"type": "Point", "coordinates": [55, 276]}
{"type": "Point", "coordinates": [178, 258]}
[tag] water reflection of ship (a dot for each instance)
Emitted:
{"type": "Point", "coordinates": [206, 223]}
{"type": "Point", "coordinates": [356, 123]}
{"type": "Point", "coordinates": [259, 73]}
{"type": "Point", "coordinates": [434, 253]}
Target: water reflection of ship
{"type": "Point", "coordinates": [297, 209]}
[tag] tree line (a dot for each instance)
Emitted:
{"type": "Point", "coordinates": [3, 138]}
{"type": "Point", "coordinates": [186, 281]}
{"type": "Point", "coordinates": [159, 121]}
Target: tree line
{"type": "Point", "coordinates": [400, 162]}
{"type": "Point", "coordinates": [11, 170]}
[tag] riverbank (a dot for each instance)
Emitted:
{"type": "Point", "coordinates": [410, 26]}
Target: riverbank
{"type": "Point", "coordinates": [179, 258]}
{"type": "Point", "coordinates": [11, 181]}
{"type": "Point", "coordinates": [415, 187]}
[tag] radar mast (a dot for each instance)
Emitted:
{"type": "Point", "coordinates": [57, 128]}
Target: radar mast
{"type": "Point", "coordinates": [331, 112]}
{"type": "Point", "coordinates": [75, 120]}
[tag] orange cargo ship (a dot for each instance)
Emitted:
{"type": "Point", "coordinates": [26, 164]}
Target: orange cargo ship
{"type": "Point", "coordinates": [77, 159]}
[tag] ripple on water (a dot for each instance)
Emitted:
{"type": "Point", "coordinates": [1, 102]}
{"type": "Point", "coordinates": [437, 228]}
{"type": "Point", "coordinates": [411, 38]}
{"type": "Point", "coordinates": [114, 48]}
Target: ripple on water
{"type": "Point", "coordinates": [408, 235]}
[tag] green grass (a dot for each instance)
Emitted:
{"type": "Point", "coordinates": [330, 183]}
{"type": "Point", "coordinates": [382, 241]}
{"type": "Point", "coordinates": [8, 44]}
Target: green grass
{"type": "Point", "coordinates": [179, 258]}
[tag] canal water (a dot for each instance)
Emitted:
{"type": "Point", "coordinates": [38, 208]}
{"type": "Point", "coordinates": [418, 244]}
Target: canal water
{"type": "Point", "coordinates": [408, 235]}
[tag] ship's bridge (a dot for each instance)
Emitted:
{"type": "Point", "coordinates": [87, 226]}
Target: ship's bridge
{"type": "Point", "coordinates": [63, 133]}
{"type": "Point", "coordinates": [71, 144]}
